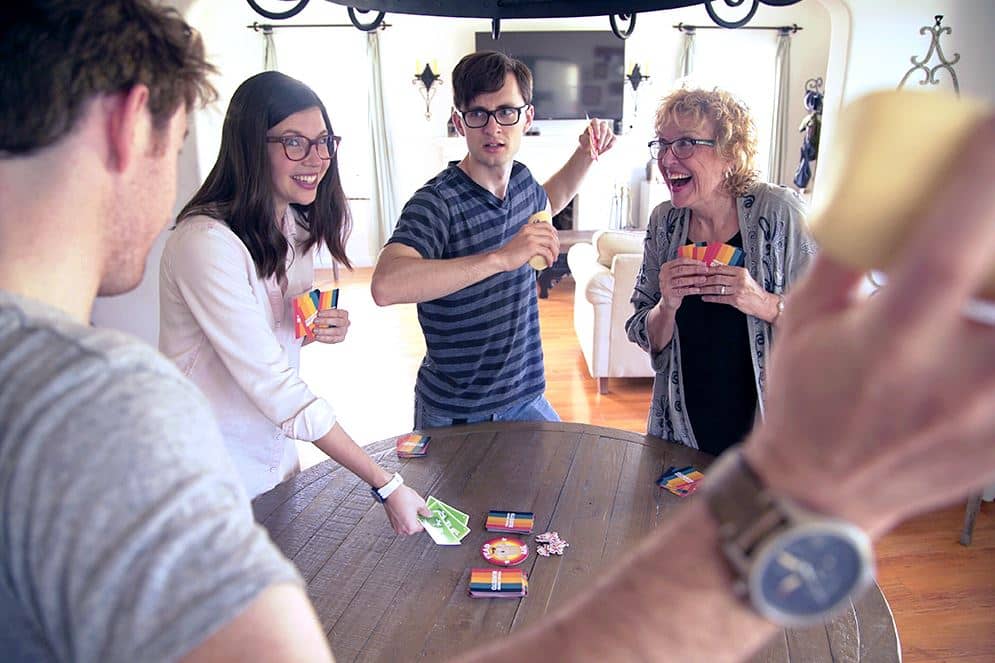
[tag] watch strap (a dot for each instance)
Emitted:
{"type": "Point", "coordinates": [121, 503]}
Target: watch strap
{"type": "Point", "coordinates": [383, 492]}
{"type": "Point", "coordinates": [745, 513]}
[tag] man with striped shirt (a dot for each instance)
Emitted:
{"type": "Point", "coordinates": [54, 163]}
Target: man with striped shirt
{"type": "Point", "coordinates": [461, 250]}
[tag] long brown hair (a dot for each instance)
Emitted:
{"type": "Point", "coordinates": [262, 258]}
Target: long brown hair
{"type": "Point", "coordinates": [238, 189]}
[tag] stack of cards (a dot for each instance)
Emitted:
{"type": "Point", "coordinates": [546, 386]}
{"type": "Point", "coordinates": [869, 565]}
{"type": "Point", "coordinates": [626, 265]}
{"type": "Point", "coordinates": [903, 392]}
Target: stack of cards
{"type": "Point", "coordinates": [412, 445]}
{"type": "Point", "coordinates": [681, 481]}
{"type": "Point", "coordinates": [510, 521]}
{"type": "Point", "coordinates": [714, 252]}
{"type": "Point", "coordinates": [498, 583]}
{"type": "Point", "coordinates": [447, 526]}
{"type": "Point", "coordinates": [306, 309]}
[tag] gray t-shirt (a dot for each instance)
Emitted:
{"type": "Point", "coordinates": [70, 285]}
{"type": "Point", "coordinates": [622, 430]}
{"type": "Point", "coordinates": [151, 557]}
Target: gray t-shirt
{"type": "Point", "coordinates": [124, 533]}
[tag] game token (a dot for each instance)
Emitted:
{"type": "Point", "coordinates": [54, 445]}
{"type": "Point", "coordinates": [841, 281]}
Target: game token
{"type": "Point", "coordinates": [504, 551]}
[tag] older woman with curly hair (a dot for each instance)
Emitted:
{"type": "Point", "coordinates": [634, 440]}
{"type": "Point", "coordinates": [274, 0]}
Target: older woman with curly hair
{"type": "Point", "coordinates": [709, 326]}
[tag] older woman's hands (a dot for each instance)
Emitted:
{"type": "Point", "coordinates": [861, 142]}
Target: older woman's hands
{"type": "Point", "coordinates": [734, 286]}
{"type": "Point", "coordinates": [679, 278]}
{"type": "Point", "coordinates": [331, 325]}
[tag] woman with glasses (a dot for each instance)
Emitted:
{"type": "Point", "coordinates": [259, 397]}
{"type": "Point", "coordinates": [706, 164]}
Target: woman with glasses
{"type": "Point", "coordinates": [242, 249]}
{"type": "Point", "coordinates": [717, 261]}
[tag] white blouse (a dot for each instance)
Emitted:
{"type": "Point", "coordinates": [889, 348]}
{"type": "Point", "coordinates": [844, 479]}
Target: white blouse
{"type": "Point", "coordinates": [232, 334]}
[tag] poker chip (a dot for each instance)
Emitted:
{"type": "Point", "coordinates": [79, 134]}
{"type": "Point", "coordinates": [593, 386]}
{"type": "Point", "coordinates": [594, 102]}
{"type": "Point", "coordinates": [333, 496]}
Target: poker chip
{"type": "Point", "coordinates": [505, 551]}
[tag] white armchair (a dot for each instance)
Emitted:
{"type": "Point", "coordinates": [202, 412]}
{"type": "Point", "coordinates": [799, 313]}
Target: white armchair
{"type": "Point", "coordinates": [605, 272]}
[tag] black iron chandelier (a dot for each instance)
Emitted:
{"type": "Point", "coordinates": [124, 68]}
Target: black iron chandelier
{"type": "Point", "coordinates": [621, 13]}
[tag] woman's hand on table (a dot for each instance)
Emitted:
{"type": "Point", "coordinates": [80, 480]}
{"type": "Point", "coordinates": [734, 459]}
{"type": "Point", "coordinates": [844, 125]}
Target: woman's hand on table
{"type": "Point", "coordinates": [734, 286]}
{"type": "Point", "coordinates": [403, 508]}
{"type": "Point", "coordinates": [331, 325]}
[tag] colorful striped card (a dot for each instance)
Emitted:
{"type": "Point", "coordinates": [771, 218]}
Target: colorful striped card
{"type": "Point", "coordinates": [725, 254]}
{"type": "Point", "coordinates": [510, 521]}
{"type": "Point", "coordinates": [306, 307]}
{"type": "Point", "coordinates": [498, 583]}
{"type": "Point", "coordinates": [412, 445]}
{"type": "Point", "coordinates": [681, 481]}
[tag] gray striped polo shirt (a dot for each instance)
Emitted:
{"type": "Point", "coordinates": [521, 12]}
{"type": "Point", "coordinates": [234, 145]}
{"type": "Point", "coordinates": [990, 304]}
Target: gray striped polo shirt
{"type": "Point", "coordinates": [484, 353]}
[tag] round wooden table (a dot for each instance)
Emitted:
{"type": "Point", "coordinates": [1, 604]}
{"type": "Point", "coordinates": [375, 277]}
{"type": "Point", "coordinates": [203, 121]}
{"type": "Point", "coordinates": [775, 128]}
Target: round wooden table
{"type": "Point", "coordinates": [382, 597]}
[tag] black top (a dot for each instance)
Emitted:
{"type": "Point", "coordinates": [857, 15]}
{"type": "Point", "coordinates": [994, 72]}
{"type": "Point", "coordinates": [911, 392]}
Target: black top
{"type": "Point", "coordinates": [720, 393]}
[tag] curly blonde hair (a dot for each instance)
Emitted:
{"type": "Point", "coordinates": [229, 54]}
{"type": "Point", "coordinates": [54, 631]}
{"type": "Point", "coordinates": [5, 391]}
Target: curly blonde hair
{"type": "Point", "coordinates": [735, 131]}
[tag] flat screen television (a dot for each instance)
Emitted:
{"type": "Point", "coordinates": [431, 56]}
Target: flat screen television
{"type": "Point", "coordinates": [576, 72]}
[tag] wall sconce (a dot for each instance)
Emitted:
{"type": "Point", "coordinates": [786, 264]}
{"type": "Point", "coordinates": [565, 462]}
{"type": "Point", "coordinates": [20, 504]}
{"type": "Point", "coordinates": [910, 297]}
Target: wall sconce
{"type": "Point", "coordinates": [427, 81]}
{"type": "Point", "coordinates": [636, 76]}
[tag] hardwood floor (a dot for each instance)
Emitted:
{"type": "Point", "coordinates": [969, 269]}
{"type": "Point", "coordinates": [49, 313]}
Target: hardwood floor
{"type": "Point", "coordinates": [942, 593]}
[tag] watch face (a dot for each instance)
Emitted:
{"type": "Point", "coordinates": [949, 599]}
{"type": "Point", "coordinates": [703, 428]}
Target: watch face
{"type": "Point", "coordinates": [806, 574]}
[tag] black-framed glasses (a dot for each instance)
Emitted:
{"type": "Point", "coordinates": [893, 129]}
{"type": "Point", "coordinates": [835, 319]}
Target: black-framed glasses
{"type": "Point", "coordinates": [297, 147]}
{"type": "Point", "coordinates": [477, 118]}
{"type": "Point", "coordinates": [682, 147]}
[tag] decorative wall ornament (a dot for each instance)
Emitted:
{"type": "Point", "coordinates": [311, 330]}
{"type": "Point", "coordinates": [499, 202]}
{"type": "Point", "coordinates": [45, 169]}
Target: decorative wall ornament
{"type": "Point", "coordinates": [929, 73]}
{"type": "Point", "coordinates": [636, 77]}
{"type": "Point", "coordinates": [427, 81]}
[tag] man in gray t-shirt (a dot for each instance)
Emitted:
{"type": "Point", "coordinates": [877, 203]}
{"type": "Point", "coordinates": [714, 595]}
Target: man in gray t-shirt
{"type": "Point", "coordinates": [124, 535]}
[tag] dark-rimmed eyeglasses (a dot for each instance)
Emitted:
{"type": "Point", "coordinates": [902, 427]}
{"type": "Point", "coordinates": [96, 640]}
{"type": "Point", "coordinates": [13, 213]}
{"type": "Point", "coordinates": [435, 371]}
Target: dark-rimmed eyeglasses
{"type": "Point", "coordinates": [297, 147]}
{"type": "Point", "coordinates": [682, 147]}
{"type": "Point", "coordinates": [477, 118]}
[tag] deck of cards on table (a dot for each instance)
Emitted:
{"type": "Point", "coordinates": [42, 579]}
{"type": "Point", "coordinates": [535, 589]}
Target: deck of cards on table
{"type": "Point", "coordinates": [412, 445]}
{"type": "Point", "coordinates": [447, 526]}
{"type": "Point", "coordinates": [498, 583]}
{"type": "Point", "coordinates": [518, 522]}
{"type": "Point", "coordinates": [681, 481]}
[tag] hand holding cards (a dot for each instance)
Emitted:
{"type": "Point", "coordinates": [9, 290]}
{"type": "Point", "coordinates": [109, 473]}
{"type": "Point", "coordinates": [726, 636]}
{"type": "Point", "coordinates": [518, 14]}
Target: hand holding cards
{"type": "Point", "coordinates": [542, 216]}
{"type": "Point", "coordinates": [306, 307]}
{"type": "Point", "coordinates": [447, 526]}
{"type": "Point", "coordinates": [712, 252]}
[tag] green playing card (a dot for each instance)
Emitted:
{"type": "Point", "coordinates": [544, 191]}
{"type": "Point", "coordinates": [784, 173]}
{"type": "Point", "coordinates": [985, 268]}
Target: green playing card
{"type": "Point", "coordinates": [440, 529]}
{"type": "Point", "coordinates": [455, 514]}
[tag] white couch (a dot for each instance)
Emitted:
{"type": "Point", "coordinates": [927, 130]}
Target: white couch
{"type": "Point", "coordinates": [605, 273]}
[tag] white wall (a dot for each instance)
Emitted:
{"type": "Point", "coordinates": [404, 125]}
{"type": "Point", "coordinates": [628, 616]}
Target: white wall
{"type": "Point", "coordinates": [872, 46]}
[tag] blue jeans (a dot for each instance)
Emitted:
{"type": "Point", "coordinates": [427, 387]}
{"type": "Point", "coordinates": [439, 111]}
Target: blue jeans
{"type": "Point", "coordinates": [537, 409]}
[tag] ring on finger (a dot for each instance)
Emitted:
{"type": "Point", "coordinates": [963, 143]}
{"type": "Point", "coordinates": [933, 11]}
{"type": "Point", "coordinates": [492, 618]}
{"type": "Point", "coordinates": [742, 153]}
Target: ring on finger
{"type": "Point", "coordinates": [722, 291]}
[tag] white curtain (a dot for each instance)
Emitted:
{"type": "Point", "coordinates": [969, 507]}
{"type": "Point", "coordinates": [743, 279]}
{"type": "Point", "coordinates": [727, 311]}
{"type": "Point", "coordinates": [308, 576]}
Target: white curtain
{"type": "Point", "coordinates": [269, 50]}
{"type": "Point", "coordinates": [779, 131]}
{"type": "Point", "coordinates": [685, 63]}
{"type": "Point", "coordinates": [384, 207]}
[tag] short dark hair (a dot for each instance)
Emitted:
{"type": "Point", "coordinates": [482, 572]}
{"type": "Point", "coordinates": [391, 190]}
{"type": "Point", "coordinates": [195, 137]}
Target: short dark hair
{"type": "Point", "coordinates": [485, 71]}
{"type": "Point", "coordinates": [56, 55]}
{"type": "Point", "coordinates": [239, 189]}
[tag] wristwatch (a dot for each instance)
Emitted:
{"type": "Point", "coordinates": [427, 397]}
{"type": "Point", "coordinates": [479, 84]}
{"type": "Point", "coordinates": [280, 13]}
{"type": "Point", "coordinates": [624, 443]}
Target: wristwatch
{"type": "Point", "coordinates": [383, 492]}
{"type": "Point", "coordinates": [795, 566]}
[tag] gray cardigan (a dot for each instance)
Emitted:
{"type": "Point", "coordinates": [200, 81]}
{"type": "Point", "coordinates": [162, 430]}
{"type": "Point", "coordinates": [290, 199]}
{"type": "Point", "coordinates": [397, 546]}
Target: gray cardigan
{"type": "Point", "coordinates": [778, 250]}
